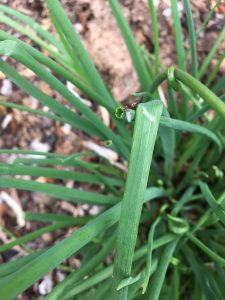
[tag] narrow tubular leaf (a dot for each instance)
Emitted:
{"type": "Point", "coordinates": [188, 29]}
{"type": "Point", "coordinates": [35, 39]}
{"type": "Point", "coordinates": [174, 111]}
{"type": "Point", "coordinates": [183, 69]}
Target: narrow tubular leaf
{"type": "Point", "coordinates": [208, 17]}
{"type": "Point", "coordinates": [189, 127]}
{"type": "Point", "coordinates": [32, 111]}
{"type": "Point", "coordinates": [193, 261]}
{"type": "Point", "coordinates": [129, 281]}
{"type": "Point", "coordinates": [51, 49]}
{"type": "Point", "coordinates": [73, 39]}
{"type": "Point", "coordinates": [178, 35]}
{"type": "Point", "coordinates": [58, 192]}
{"type": "Point", "coordinates": [155, 29]}
{"type": "Point", "coordinates": [182, 201]}
{"type": "Point", "coordinates": [35, 153]}
{"type": "Point", "coordinates": [149, 258]}
{"type": "Point", "coordinates": [175, 288]}
{"type": "Point", "coordinates": [214, 256]}
{"type": "Point", "coordinates": [61, 289]}
{"type": "Point", "coordinates": [145, 132]}
{"type": "Point", "coordinates": [204, 218]}
{"type": "Point", "coordinates": [215, 70]}
{"type": "Point", "coordinates": [131, 45]}
{"type": "Point", "coordinates": [167, 137]}
{"type": "Point", "coordinates": [35, 234]}
{"type": "Point", "coordinates": [46, 217]}
{"type": "Point", "coordinates": [168, 140]}
{"type": "Point", "coordinates": [15, 169]}
{"type": "Point", "coordinates": [14, 265]}
{"type": "Point", "coordinates": [202, 91]}
{"type": "Point", "coordinates": [211, 54]}
{"type": "Point", "coordinates": [157, 282]}
{"type": "Point", "coordinates": [192, 38]}
{"type": "Point", "coordinates": [34, 25]}
{"type": "Point", "coordinates": [219, 84]}
{"type": "Point", "coordinates": [76, 64]}
{"type": "Point", "coordinates": [216, 208]}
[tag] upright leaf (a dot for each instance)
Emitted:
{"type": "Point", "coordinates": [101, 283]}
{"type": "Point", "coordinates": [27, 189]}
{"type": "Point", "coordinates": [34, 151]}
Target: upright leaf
{"type": "Point", "coordinates": [145, 132]}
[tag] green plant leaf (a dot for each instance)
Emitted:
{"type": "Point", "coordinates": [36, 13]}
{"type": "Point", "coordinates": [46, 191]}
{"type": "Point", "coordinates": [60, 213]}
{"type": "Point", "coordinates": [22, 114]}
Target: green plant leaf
{"type": "Point", "coordinates": [189, 127]}
{"type": "Point", "coordinates": [21, 279]}
{"type": "Point", "coordinates": [61, 289]}
{"type": "Point", "coordinates": [155, 29]}
{"type": "Point", "coordinates": [35, 234]}
{"type": "Point", "coordinates": [216, 208]}
{"type": "Point", "coordinates": [158, 278]}
{"type": "Point", "coordinates": [149, 257]}
{"type": "Point", "coordinates": [74, 41]}
{"type": "Point", "coordinates": [131, 45]}
{"type": "Point", "coordinates": [178, 35]}
{"type": "Point", "coordinates": [58, 192]}
{"type": "Point", "coordinates": [145, 132]}
{"type": "Point", "coordinates": [211, 54]}
{"type": "Point", "coordinates": [192, 38]}
{"type": "Point", "coordinates": [15, 169]}
{"type": "Point", "coordinates": [128, 281]}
